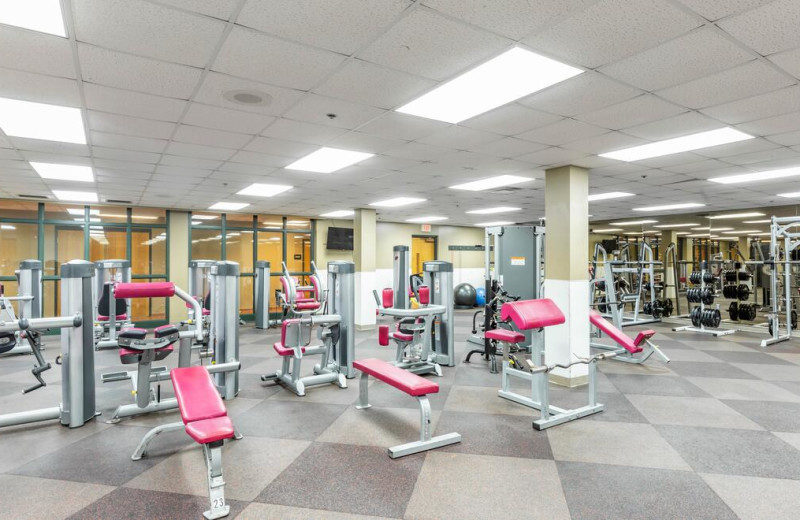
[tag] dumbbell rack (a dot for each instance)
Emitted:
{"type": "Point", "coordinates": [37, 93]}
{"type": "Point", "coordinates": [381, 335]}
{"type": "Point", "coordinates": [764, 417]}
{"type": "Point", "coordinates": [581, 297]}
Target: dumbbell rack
{"type": "Point", "coordinates": [702, 328]}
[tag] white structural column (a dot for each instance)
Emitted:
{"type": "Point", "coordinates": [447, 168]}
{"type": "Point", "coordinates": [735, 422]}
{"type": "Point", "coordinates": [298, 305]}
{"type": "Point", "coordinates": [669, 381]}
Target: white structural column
{"type": "Point", "coordinates": [744, 248]}
{"type": "Point", "coordinates": [667, 238]}
{"type": "Point", "coordinates": [566, 276]}
{"type": "Point", "coordinates": [365, 239]}
{"type": "Point", "coordinates": [178, 262]}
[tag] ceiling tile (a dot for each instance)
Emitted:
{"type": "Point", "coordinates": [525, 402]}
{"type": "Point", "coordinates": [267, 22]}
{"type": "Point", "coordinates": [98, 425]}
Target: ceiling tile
{"type": "Point", "coordinates": [676, 126]}
{"type": "Point", "coordinates": [364, 82]}
{"type": "Point", "coordinates": [36, 52]}
{"type": "Point", "coordinates": [317, 109]}
{"type": "Point", "coordinates": [280, 147]}
{"type": "Point", "coordinates": [562, 132]}
{"type": "Point", "coordinates": [25, 145]}
{"type": "Point", "coordinates": [429, 45]}
{"type": "Point", "coordinates": [147, 29]}
{"type": "Point", "coordinates": [757, 107]}
{"type": "Point", "coordinates": [189, 162]}
{"type": "Point", "coordinates": [127, 142]}
{"type": "Point", "coordinates": [117, 124]}
{"type": "Point", "coordinates": [125, 71]}
{"type": "Point", "coordinates": [221, 9]}
{"type": "Point", "coordinates": [750, 79]}
{"type": "Point", "coordinates": [127, 102]}
{"type": "Point", "coordinates": [667, 64]}
{"type": "Point", "coordinates": [788, 61]}
{"type": "Point", "coordinates": [310, 21]}
{"type": "Point", "coordinates": [261, 159]}
{"type": "Point", "coordinates": [38, 88]}
{"type": "Point", "coordinates": [716, 9]}
{"type": "Point", "coordinates": [401, 126]}
{"type": "Point", "coordinates": [225, 119]}
{"type": "Point", "coordinates": [611, 30]}
{"type": "Point", "coordinates": [604, 143]}
{"type": "Point", "coordinates": [508, 147]}
{"type": "Point", "coordinates": [417, 151]}
{"type": "Point", "coordinates": [361, 142]}
{"type": "Point", "coordinates": [768, 29]}
{"type": "Point", "coordinates": [459, 138]}
{"type": "Point", "coordinates": [552, 156]}
{"type": "Point", "coordinates": [636, 111]}
{"type": "Point", "coordinates": [773, 125]}
{"type": "Point", "coordinates": [216, 85]}
{"type": "Point", "coordinates": [511, 119]}
{"type": "Point", "coordinates": [583, 93]}
{"type": "Point", "coordinates": [203, 152]}
{"type": "Point", "coordinates": [726, 150]}
{"type": "Point", "coordinates": [301, 132]}
{"type": "Point", "coordinates": [124, 165]}
{"type": "Point", "coordinates": [124, 155]}
{"type": "Point", "coordinates": [787, 139]}
{"type": "Point", "coordinates": [516, 19]}
{"type": "Point", "coordinates": [255, 56]}
{"type": "Point", "coordinates": [207, 136]}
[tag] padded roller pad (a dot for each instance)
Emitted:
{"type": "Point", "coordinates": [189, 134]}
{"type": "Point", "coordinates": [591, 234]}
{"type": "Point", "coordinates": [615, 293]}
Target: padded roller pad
{"type": "Point", "coordinates": [306, 306]}
{"type": "Point", "coordinates": [410, 383]}
{"type": "Point", "coordinates": [285, 351]}
{"type": "Point", "coordinates": [532, 314]}
{"type": "Point", "coordinates": [642, 336]}
{"type": "Point", "coordinates": [119, 317]}
{"type": "Point", "coordinates": [506, 335]}
{"type": "Point", "coordinates": [165, 330]}
{"type": "Point", "coordinates": [133, 333]}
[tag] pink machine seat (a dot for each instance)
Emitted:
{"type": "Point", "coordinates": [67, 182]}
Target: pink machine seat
{"type": "Point", "coordinates": [202, 409]}
{"type": "Point", "coordinates": [509, 336]}
{"type": "Point", "coordinates": [119, 317]}
{"type": "Point", "coordinates": [307, 306]}
{"type": "Point", "coordinates": [532, 314]}
{"type": "Point", "coordinates": [410, 383]}
{"type": "Point", "coordinates": [642, 336]}
{"type": "Point", "coordinates": [131, 355]}
{"type": "Point", "coordinates": [285, 351]}
{"type": "Point", "coordinates": [402, 336]}
{"type": "Point", "coordinates": [133, 333]}
{"type": "Point", "coordinates": [614, 333]}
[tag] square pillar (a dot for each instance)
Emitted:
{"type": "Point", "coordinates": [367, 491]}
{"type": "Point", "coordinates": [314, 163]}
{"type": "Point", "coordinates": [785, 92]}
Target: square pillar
{"type": "Point", "coordinates": [744, 247]}
{"type": "Point", "coordinates": [178, 232]}
{"type": "Point", "coordinates": [566, 276]}
{"type": "Point", "coordinates": [365, 239]}
{"type": "Point", "coordinates": [667, 238]}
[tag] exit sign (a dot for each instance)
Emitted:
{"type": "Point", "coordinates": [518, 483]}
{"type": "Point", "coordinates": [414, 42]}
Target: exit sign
{"type": "Point", "coordinates": [426, 228]}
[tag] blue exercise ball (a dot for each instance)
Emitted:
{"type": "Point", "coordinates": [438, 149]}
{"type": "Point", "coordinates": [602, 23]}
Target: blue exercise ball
{"type": "Point", "coordinates": [480, 296]}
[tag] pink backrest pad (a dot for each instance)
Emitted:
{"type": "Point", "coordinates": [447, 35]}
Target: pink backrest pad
{"type": "Point", "coordinates": [315, 284]}
{"type": "Point", "coordinates": [424, 295]}
{"type": "Point", "coordinates": [388, 298]}
{"type": "Point", "coordinates": [144, 290]}
{"type": "Point", "coordinates": [197, 397]}
{"type": "Point", "coordinates": [532, 314]}
{"type": "Point", "coordinates": [622, 339]}
{"type": "Point", "coordinates": [284, 326]}
{"type": "Point", "coordinates": [383, 335]}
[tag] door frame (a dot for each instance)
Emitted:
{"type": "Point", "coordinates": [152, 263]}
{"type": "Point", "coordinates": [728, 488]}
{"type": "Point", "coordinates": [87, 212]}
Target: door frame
{"type": "Point", "coordinates": [435, 244]}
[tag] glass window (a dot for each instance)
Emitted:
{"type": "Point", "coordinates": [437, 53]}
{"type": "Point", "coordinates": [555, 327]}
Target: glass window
{"type": "Point", "coordinates": [106, 243]}
{"type": "Point", "coordinates": [148, 309]}
{"type": "Point", "coordinates": [239, 248]}
{"type": "Point", "coordinates": [206, 244]}
{"type": "Point", "coordinates": [246, 295]}
{"type": "Point", "coordinates": [51, 298]}
{"type": "Point", "coordinates": [149, 216]}
{"type": "Point", "coordinates": [298, 223]}
{"type": "Point", "coordinates": [206, 219]}
{"type": "Point", "coordinates": [19, 209]}
{"type": "Point", "coordinates": [239, 220]}
{"type": "Point", "coordinates": [298, 252]}
{"type": "Point", "coordinates": [67, 212]}
{"type": "Point", "coordinates": [62, 243]}
{"type": "Point", "coordinates": [17, 242]}
{"type": "Point", "coordinates": [270, 248]}
{"type": "Point", "coordinates": [270, 221]}
{"type": "Point", "coordinates": [149, 251]}
{"type": "Point", "coordinates": [109, 214]}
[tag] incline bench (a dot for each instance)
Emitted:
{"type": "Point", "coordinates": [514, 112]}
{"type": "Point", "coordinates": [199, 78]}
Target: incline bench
{"type": "Point", "coordinates": [206, 420]}
{"type": "Point", "coordinates": [629, 346]}
{"type": "Point", "coordinates": [413, 385]}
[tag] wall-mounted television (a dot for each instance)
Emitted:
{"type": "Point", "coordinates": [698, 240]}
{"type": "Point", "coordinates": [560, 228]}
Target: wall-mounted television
{"type": "Point", "coordinates": [340, 238]}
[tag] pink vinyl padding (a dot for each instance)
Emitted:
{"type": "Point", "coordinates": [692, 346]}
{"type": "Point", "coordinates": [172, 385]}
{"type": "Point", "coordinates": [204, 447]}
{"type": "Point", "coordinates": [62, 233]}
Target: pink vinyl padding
{"type": "Point", "coordinates": [315, 283]}
{"type": "Point", "coordinates": [412, 384]}
{"type": "Point", "coordinates": [424, 295]}
{"type": "Point", "coordinates": [202, 409]}
{"type": "Point", "coordinates": [509, 336]}
{"type": "Point", "coordinates": [285, 326]}
{"type": "Point", "coordinates": [532, 314]}
{"type": "Point", "coordinates": [402, 336]}
{"type": "Point", "coordinates": [306, 306]}
{"type": "Point", "coordinates": [129, 355]}
{"type": "Point", "coordinates": [119, 317]}
{"type": "Point", "coordinates": [383, 335]}
{"type": "Point", "coordinates": [642, 336]}
{"type": "Point", "coordinates": [388, 298]}
{"type": "Point", "coordinates": [144, 290]}
{"type": "Point", "coordinates": [285, 351]}
{"type": "Point", "coordinates": [614, 333]}
{"type": "Point", "coordinates": [210, 430]}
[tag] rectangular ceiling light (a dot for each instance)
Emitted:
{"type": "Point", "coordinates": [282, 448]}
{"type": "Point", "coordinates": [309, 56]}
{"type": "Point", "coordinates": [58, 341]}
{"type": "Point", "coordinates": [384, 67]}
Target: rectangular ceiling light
{"type": "Point", "coordinates": [682, 233]}
{"type": "Point", "coordinates": [491, 211]}
{"type": "Point", "coordinates": [763, 221]}
{"type": "Point", "coordinates": [712, 229]}
{"type": "Point", "coordinates": [670, 226]}
{"type": "Point", "coordinates": [606, 230]}
{"type": "Point", "coordinates": [792, 195]}
{"type": "Point", "coordinates": [328, 160]}
{"type": "Point", "coordinates": [493, 224]}
{"type": "Point", "coordinates": [79, 211]}
{"type": "Point", "coordinates": [76, 196]}
{"type": "Point", "coordinates": [610, 195]}
{"type": "Point", "coordinates": [425, 220]}
{"type": "Point", "coordinates": [41, 121]}
{"type": "Point", "coordinates": [264, 190]}
{"type": "Point", "coordinates": [757, 176]}
{"type": "Point", "coordinates": [491, 183]}
{"type": "Point", "coordinates": [686, 143]}
{"type": "Point", "coordinates": [741, 231]}
{"type": "Point", "coordinates": [510, 76]}
{"type": "Point", "coordinates": [63, 172]}
{"type": "Point", "coordinates": [633, 222]}
{"type": "Point", "coordinates": [759, 234]}
{"type": "Point", "coordinates": [396, 202]}
{"type": "Point", "coordinates": [339, 213]}
{"type": "Point", "coordinates": [204, 217]}
{"type": "Point", "coordinates": [228, 206]}
{"type": "Point", "coordinates": [668, 207]}
{"type": "Point", "coordinates": [737, 215]}
{"type": "Point", "coordinates": [37, 15]}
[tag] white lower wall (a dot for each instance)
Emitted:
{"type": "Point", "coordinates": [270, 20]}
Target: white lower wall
{"type": "Point", "coordinates": [564, 342]}
{"type": "Point", "coordinates": [365, 301]}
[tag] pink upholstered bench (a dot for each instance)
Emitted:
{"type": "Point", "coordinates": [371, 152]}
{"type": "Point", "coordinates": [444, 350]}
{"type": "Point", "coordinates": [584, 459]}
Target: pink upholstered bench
{"type": "Point", "coordinates": [413, 385]}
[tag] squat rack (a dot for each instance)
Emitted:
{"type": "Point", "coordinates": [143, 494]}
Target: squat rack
{"type": "Point", "coordinates": [779, 230]}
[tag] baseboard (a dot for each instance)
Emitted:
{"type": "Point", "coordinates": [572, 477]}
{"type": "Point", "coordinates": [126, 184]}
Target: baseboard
{"type": "Point", "coordinates": [569, 382]}
{"type": "Point", "coordinates": [372, 326]}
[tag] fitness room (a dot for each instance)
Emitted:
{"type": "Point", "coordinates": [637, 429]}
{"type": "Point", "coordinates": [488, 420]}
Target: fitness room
{"type": "Point", "coordinates": [401, 259]}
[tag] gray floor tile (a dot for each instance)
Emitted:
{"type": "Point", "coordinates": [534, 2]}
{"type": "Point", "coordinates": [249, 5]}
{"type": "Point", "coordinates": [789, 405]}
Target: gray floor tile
{"type": "Point", "coordinates": [387, 396]}
{"type": "Point", "coordinates": [752, 358]}
{"type": "Point", "coordinates": [257, 511]}
{"type": "Point", "coordinates": [481, 434]}
{"type": "Point", "coordinates": [773, 416]}
{"type": "Point", "coordinates": [288, 419]}
{"type": "Point", "coordinates": [734, 452]}
{"type": "Point", "coordinates": [654, 385]}
{"type": "Point", "coordinates": [690, 411]}
{"type": "Point", "coordinates": [351, 479]}
{"type": "Point", "coordinates": [753, 498]}
{"type": "Point", "coordinates": [598, 491]}
{"type": "Point", "coordinates": [29, 498]}
{"type": "Point", "coordinates": [690, 369]}
{"type": "Point", "coordinates": [743, 389]}
{"type": "Point", "coordinates": [788, 372]}
{"type": "Point", "coordinates": [381, 427]}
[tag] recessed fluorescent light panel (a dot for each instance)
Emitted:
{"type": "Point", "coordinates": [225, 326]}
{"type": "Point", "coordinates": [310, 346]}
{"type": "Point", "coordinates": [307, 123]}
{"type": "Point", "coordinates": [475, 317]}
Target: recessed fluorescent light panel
{"type": "Point", "coordinates": [668, 207]}
{"type": "Point", "coordinates": [686, 143]}
{"type": "Point", "coordinates": [510, 76]}
{"type": "Point", "coordinates": [339, 214]}
{"type": "Point", "coordinates": [633, 222]}
{"type": "Point", "coordinates": [683, 233]}
{"type": "Point", "coordinates": [493, 224]}
{"type": "Point", "coordinates": [792, 195]}
{"type": "Point", "coordinates": [741, 231]}
{"type": "Point", "coordinates": [763, 221]}
{"type": "Point", "coordinates": [79, 211]}
{"type": "Point", "coordinates": [759, 234]}
{"type": "Point", "coordinates": [396, 202]}
{"type": "Point", "coordinates": [757, 176]}
{"type": "Point", "coordinates": [264, 190]}
{"type": "Point", "coordinates": [423, 220]}
{"type": "Point", "coordinates": [8, 227]}
{"type": "Point", "coordinates": [491, 211]}
{"type": "Point", "coordinates": [204, 217]}
{"type": "Point", "coordinates": [63, 172]}
{"type": "Point", "coordinates": [76, 196]}
{"type": "Point", "coordinates": [606, 230]}
{"type": "Point", "coordinates": [670, 226]}
{"type": "Point", "coordinates": [228, 206]}
{"type": "Point", "coordinates": [328, 160]}
{"type": "Point", "coordinates": [737, 215]}
{"type": "Point", "coordinates": [610, 195]}
{"type": "Point", "coordinates": [37, 15]}
{"type": "Point", "coordinates": [41, 121]}
{"type": "Point", "coordinates": [491, 183]}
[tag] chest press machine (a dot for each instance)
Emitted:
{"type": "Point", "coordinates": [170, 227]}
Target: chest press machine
{"type": "Point", "coordinates": [294, 299]}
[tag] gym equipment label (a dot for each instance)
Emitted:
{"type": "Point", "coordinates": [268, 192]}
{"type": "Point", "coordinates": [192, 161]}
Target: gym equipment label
{"type": "Point", "coordinates": [517, 260]}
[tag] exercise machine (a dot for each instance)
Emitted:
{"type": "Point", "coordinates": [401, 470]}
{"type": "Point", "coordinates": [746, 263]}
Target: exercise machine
{"type": "Point", "coordinates": [401, 277]}
{"type": "Point", "coordinates": [293, 297]}
{"type": "Point", "coordinates": [261, 288]}
{"type": "Point", "coordinates": [29, 305]}
{"type": "Point", "coordinates": [438, 277]}
{"type": "Point", "coordinates": [638, 351]}
{"type": "Point", "coordinates": [111, 315]}
{"type": "Point", "coordinates": [784, 262]}
{"type": "Point", "coordinates": [706, 317]}
{"type": "Point", "coordinates": [77, 350]}
{"type": "Point", "coordinates": [492, 309]}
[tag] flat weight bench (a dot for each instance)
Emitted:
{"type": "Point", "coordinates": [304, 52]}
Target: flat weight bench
{"type": "Point", "coordinates": [205, 419]}
{"type": "Point", "coordinates": [414, 386]}
{"type": "Point", "coordinates": [627, 346]}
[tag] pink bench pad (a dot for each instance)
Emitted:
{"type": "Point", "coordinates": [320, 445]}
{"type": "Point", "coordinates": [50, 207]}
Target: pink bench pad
{"type": "Point", "coordinates": [412, 384]}
{"type": "Point", "coordinates": [197, 397]}
{"type": "Point", "coordinates": [614, 333]}
{"type": "Point", "coordinates": [210, 430]}
{"type": "Point", "coordinates": [506, 335]}
{"type": "Point", "coordinates": [285, 351]}
{"type": "Point", "coordinates": [532, 314]}
{"type": "Point", "coordinates": [144, 290]}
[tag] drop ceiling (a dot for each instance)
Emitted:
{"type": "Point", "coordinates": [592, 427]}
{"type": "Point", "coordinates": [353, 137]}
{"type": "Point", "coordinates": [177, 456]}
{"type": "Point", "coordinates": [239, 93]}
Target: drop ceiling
{"type": "Point", "coordinates": [150, 78]}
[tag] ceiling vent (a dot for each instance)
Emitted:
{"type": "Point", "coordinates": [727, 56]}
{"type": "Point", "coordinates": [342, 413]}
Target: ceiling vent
{"type": "Point", "coordinates": [115, 201]}
{"type": "Point", "coordinates": [38, 197]}
{"type": "Point", "coordinates": [508, 189]}
{"type": "Point", "coordinates": [248, 97]}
